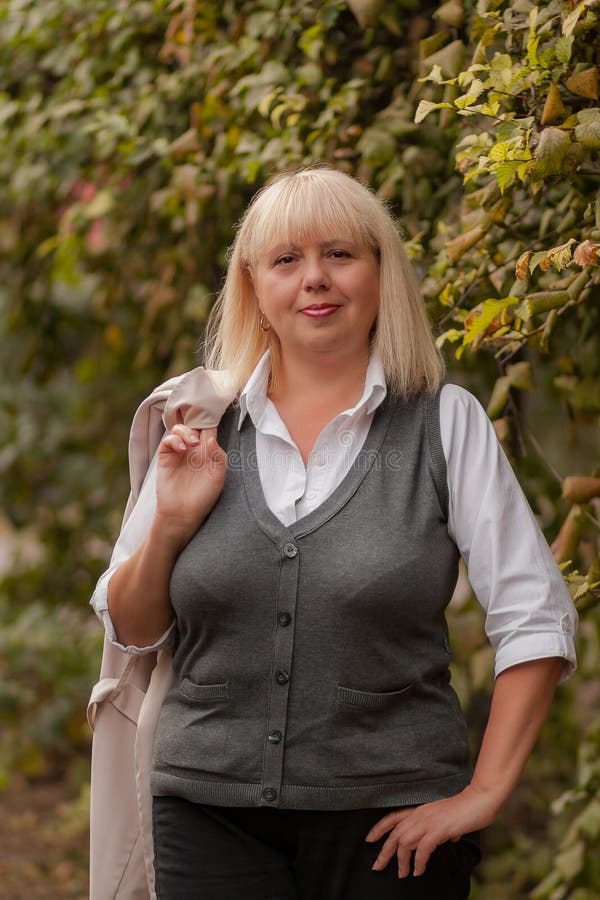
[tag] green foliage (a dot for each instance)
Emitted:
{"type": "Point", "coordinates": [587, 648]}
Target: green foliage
{"type": "Point", "coordinates": [133, 135]}
{"type": "Point", "coordinates": [48, 659]}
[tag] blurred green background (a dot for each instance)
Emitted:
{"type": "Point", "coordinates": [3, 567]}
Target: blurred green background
{"type": "Point", "coordinates": [133, 133]}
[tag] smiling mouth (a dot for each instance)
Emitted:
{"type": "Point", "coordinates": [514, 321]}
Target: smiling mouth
{"type": "Point", "coordinates": [319, 310]}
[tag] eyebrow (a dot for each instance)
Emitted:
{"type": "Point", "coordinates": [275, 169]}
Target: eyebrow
{"type": "Point", "coordinates": [324, 244]}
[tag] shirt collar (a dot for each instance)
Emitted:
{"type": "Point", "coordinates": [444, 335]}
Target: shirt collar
{"type": "Point", "coordinates": [253, 398]}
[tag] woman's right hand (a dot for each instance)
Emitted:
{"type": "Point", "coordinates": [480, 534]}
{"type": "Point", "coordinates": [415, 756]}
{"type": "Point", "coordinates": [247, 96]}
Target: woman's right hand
{"type": "Point", "coordinates": [190, 477]}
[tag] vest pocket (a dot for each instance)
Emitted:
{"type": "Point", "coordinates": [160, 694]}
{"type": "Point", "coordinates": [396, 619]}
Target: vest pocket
{"type": "Point", "coordinates": [369, 699]}
{"type": "Point", "coordinates": [204, 693]}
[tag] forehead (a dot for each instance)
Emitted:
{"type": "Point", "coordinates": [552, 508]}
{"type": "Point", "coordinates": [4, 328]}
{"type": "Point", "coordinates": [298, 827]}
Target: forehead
{"type": "Point", "coordinates": [303, 217]}
{"type": "Point", "coordinates": [320, 241]}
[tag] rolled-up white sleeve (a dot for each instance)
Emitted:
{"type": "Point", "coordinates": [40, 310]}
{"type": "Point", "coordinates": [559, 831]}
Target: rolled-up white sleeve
{"type": "Point", "coordinates": [131, 536]}
{"type": "Point", "coordinates": [529, 613]}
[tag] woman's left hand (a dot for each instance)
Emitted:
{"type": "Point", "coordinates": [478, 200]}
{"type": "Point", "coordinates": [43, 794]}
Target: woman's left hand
{"type": "Point", "coordinates": [423, 828]}
{"type": "Point", "coordinates": [522, 695]}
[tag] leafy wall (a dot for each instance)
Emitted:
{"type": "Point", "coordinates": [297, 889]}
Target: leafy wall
{"type": "Point", "coordinates": [133, 134]}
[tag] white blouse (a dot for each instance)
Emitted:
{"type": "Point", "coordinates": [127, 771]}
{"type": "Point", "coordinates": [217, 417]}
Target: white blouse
{"type": "Point", "coordinates": [528, 610]}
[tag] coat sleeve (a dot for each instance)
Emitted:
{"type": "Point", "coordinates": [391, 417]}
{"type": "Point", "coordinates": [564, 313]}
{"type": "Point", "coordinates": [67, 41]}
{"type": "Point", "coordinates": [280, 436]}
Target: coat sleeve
{"type": "Point", "coordinates": [132, 534]}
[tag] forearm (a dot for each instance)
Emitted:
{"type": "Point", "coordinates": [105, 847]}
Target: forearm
{"type": "Point", "coordinates": [519, 707]}
{"type": "Point", "coordinates": [520, 702]}
{"type": "Point", "coordinates": [138, 593]}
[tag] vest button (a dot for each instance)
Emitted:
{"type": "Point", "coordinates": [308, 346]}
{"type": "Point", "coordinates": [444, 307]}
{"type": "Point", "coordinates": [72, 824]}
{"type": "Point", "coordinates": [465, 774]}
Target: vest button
{"type": "Point", "coordinates": [290, 550]}
{"type": "Point", "coordinates": [275, 737]}
{"type": "Point", "coordinates": [282, 677]}
{"type": "Point", "coordinates": [284, 619]}
{"type": "Point", "coordinates": [270, 794]}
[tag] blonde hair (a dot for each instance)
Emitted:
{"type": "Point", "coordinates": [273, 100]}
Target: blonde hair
{"type": "Point", "coordinates": [301, 206]}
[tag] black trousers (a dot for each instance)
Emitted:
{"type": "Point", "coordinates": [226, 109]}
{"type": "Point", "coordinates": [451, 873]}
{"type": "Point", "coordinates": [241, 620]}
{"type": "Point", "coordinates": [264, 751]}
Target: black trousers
{"type": "Point", "coordinates": [223, 853]}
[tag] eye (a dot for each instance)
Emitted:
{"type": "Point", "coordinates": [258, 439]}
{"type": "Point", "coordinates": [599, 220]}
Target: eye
{"type": "Point", "coordinates": [284, 260]}
{"type": "Point", "coordinates": [340, 254]}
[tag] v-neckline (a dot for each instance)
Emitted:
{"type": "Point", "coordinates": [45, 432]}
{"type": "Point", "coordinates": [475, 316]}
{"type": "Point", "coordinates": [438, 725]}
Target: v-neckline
{"type": "Point", "coordinates": [268, 521]}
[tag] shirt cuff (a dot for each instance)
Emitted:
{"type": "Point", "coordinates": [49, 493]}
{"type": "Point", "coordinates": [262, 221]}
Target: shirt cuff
{"type": "Point", "coordinates": [130, 648]}
{"type": "Point", "coordinates": [99, 602]}
{"type": "Point", "coordinates": [540, 645]}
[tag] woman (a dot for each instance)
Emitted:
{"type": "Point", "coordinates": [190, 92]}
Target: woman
{"type": "Point", "coordinates": [299, 559]}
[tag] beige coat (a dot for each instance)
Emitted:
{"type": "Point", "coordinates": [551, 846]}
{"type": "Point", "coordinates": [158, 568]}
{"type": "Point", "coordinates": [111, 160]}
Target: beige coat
{"type": "Point", "coordinates": [125, 703]}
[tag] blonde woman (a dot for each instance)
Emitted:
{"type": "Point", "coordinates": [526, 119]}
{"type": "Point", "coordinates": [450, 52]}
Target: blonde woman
{"type": "Point", "coordinates": [299, 559]}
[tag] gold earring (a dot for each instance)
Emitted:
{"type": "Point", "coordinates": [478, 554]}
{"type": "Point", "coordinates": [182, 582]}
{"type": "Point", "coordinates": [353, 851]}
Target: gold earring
{"type": "Point", "coordinates": [264, 324]}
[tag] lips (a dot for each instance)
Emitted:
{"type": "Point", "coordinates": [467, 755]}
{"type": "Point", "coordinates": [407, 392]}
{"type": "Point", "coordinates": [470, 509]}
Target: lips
{"type": "Point", "coordinates": [320, 310]}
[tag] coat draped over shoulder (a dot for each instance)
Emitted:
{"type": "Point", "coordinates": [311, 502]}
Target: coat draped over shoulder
{"type": "Point", "coordinates": [125, 704]}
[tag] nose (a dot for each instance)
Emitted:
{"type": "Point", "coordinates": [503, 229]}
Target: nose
{"type": "Point", "coordinates": [315, 276]}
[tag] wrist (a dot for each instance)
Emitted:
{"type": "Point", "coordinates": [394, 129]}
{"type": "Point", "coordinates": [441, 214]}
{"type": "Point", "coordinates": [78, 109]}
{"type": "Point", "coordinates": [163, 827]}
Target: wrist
{"type": "Point", "coordinates": [494, 796]}
{"type": "Point", "coordinates": [171, 533]}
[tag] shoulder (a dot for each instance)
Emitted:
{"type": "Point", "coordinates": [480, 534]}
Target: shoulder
{"type": "Point", "coordinates": [464, 423]}
{"type": "Point", "coordinates": [458, 401]}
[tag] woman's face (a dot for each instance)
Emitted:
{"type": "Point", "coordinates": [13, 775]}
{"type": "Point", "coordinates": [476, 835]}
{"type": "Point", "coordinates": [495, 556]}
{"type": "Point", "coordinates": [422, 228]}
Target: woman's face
{"type": "Point", "coordinates": [319, 296]}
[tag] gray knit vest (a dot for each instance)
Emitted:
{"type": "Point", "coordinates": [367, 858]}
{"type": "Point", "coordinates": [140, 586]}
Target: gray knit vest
{"type": "Point", "coordinates": [311, 661]}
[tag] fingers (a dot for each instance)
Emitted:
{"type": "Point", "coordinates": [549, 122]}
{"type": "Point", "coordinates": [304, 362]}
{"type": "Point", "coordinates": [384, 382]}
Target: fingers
{"type": "Point", "coordinates": [389, 848]}
{"type": "Point", "coordinates": [403, 848]}
{"type": "Point", "coordinates": [408, 835]}
{"type": "Point", "coordinates": [180, 439]}
{"type": "Point", "coordinates": [385, 824]}
{"type": "Point", "coordinates": [404, 854]}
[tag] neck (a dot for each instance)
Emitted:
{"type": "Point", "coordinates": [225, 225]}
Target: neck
{"type": "Point", "coordinates": [327, 379]}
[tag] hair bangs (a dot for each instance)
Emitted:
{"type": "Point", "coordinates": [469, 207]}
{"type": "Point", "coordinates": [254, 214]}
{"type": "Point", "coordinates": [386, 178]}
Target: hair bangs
{"type": "Point", "coordinates": [304, 209]}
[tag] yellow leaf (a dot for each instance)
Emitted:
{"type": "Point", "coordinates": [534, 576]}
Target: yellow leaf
{"type": "Point", "coordinates": [584, 84]}
{"type": "Point", "coordinates": [186, 143]}
{"type": "Point", "coordinates": [560, 256]}
{"type": "Point", "coordinates": [554, 108]}
{"type": "Point", "coordinates": [451, 13]}
{"type": "Point", "coordinates": [459, 245]}
{"type": "Point", "coordinates": [499, 397]}
{"type": "Point", "coordinates": [588, 135]}
{"type": "Point", "coordinates": [425, 107]}
{"type": "Point", "coordinates": [365, 11]}
{"type": "Point", "coordinates": [570, 21]}
{"type": "Point", "coordinates": [450, 59]}
{"type": "Point", "coordinates": [552, 147]}
{"type": "Point", "coordinates": [520, 376]}
{"type": "Point", "coordinates": [485, 315]}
